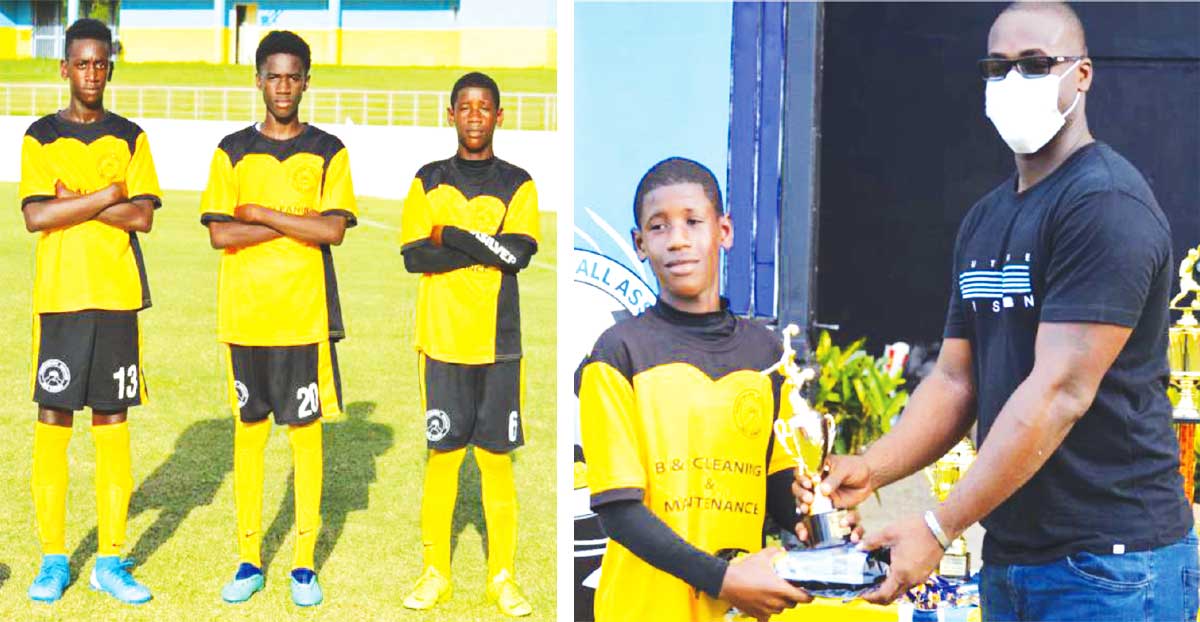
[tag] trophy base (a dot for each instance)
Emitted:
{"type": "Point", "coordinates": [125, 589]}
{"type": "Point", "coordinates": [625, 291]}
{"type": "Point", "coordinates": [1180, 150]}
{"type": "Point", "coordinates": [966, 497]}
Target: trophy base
{"type": "Point", "coordinates": [955, 566]}
{"type": "Point", "coordinates": [826, 529]}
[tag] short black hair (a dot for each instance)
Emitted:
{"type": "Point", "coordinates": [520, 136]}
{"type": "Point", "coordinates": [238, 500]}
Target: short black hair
{"type": "Point", "coordinates": [88, 28]}
{"type": "Point", "coordinates": [478, 80]}
{"type": "Point", "coordinates": [676, 171]}
{"type": "Point", "coordinates": [282, 42]}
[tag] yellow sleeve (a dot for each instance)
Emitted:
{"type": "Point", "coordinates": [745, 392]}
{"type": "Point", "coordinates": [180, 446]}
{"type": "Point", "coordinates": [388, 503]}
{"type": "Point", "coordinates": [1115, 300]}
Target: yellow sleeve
{"type": "Point", "coordinates": [522, 215]}
{"type": "Point", "coordinates": [220, 196]}
{"type": "Point", "coordinates": [416, 216]}
{"type": "Point", "coordinates": [780, 460]}
{"type": "Point", "coordinates": [338, 193]}
{"type": "Point", "coordinates": [610, 441]}
{"type": "Point", "coordinates": [141, 180]}
{"type": "Point", "coordinates": [37, 178]}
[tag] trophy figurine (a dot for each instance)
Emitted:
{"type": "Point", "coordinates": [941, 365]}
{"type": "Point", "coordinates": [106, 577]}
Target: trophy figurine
{"type": "Point", "coordinates": [808, 436]}
{"type": "Point", "coordinates": [942, 476]}
{"type": "Point", "coordinates": [1183, 355]}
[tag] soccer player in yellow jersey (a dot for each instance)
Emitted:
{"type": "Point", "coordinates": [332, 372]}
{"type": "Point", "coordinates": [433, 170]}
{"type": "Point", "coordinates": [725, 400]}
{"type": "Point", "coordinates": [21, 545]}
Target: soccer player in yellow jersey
{"type": "Point", "coordinates": [470, 224]}
{"type": "Point", "coordinates": [677, 423]}
{"type": "Point", "coordinates": [88, 187]}
{"type": "Point", "coordinates": [279, 196]}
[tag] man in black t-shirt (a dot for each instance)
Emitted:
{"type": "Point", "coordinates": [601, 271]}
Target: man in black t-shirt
{"type": "Point", "coordinates": [1055, 343]}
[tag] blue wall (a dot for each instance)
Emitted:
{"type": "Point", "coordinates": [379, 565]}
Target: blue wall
{"type": "Point", "coordinates": [651, 81]}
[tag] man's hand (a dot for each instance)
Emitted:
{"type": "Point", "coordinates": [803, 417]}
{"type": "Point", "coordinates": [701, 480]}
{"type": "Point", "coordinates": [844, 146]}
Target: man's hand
{"type": "Point", "coordinates": [752, 586]}
{"type": "Point", "coordinates": [62, 192]}
{"type": "Point", "coordinates": [248, 213]}
{"type": "Point", "coordinates": [851, 520]}
{"type": "Point", "coordinates": [915, 555]}
{"type": "Point", "coordinates": [847, 484]}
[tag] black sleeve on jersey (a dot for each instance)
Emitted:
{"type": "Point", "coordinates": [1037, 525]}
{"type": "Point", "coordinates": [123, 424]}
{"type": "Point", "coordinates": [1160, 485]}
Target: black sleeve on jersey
{"type": "Point", "coordinates": [424, 258]}
{"type": "Point", "coordinates": [781, 503]}
{"type": "Point", "coordinates": [632, 525]}
{"type": "Point", "coordinates": [508, 251]}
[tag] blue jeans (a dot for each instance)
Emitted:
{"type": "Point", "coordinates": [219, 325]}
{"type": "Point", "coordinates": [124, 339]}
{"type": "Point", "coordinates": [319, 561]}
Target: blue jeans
{"type": "Point", "coordinates": [1156, 585]}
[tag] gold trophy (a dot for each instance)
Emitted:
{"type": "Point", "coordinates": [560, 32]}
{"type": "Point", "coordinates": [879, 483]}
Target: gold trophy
{"type": "Point", "coordinates": [808, 436]}
{"type": "Point", "coordinates": [942, 476]}
{"type": "Point", "coordinates": [1183, 355]}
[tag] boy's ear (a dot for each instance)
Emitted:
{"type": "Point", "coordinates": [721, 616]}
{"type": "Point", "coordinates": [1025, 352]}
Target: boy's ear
{"type": "Point", "coordinates": [636, 234]}
{"type": "Point", "coordinates": [725, 224]}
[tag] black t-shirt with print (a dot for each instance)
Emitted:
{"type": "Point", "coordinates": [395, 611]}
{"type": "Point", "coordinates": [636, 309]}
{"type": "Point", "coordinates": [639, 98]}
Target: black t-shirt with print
{"type": "Point", "coordinates": [1086, 244]}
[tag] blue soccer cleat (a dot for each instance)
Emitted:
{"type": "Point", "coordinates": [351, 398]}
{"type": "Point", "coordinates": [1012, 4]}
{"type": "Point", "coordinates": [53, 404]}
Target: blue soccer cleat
{"type": "Point", "coordinates": [248, 581]}
{"type": "Point", "coordinates": [111, 577]}
{"type": "Point", "coordinates": [306, 592]}
{"type": "Point", "coordinates": [51, 580]}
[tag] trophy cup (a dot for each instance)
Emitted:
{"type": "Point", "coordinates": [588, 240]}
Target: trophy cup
{"type": "Point", "coordinates": [1183, 355]}
{"type": "Point", "coordinates": [942, 476]}
{"type": "Point", "coordinates": [808, 436]}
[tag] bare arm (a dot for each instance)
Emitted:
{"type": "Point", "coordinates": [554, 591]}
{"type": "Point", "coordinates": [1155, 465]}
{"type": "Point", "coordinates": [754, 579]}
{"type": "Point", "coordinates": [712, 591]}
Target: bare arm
{"type": "Point", "coordinates": [136, 215]}
{"type": "Point", "coordinates": [1070, 361]}
{"type": "Point", "coordinates": [235, 234]}
{"type": "Point", "coordinates": [937, 416]}
{"type": "Point", "coordinates": [69, 208]}
{"type": "Point", "coordinates": [312, 228]}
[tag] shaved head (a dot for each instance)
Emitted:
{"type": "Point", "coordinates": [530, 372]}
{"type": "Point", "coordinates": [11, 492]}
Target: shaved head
{"type": "Point", "coordinates": [1052, 27]}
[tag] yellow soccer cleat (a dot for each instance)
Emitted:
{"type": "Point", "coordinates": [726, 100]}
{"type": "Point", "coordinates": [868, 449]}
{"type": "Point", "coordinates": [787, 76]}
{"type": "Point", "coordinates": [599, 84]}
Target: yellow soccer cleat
{"type": "Point", "coordinates": [503, 591]}
{"type": "Point", "coordinates": [431, 589]}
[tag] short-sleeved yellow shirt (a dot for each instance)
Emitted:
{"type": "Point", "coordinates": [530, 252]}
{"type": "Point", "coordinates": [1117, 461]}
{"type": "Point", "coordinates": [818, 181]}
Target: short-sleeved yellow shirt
{"type": "Point", "coordinates": [282, 292]}
{"type": "Point", "coordinates": [91, 265]}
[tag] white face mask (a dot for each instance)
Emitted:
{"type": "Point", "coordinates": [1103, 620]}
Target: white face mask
{"type": "Point", "coordinates": [1025, 110]}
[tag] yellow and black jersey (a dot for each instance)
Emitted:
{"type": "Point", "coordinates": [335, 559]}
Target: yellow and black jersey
{"type": "Point", "coordinates": [91, 265]}
{"type": "Point", "coordinates": [676, 413]}
{"type": "Point", "coordinates": [470, 315]}
{"type": "Point", "coordinates": [282, 292]}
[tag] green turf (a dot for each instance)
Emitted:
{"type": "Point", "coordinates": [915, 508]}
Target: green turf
{"type": "Point", "coordinates": [181, 527]}
{"type": "Point", "coordinates": [323, 76]}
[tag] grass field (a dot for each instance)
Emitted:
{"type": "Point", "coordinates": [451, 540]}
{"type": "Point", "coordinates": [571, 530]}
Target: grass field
{"type": "Point", "coordinates": [181, 529]}
{"type": "Point", "coordinates": [186, 91]}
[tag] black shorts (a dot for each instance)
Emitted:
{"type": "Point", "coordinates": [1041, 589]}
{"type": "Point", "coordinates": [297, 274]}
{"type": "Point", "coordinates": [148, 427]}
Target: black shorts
{"type": "Point", "coordinates": [297, 383]}
{"type": "Point", "coordinates": [88, 358]}
{"type": "Point", "coordinates": [476, 404]}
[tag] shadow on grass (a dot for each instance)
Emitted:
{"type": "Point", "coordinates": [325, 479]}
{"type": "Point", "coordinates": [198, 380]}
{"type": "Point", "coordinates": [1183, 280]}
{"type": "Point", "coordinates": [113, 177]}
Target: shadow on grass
{"type": "Point", "coordinates": [188, 479]}
{"type": "Point", "coordinates": [5, 573]}
{"type": "Point", "coordinates": [351, 447]}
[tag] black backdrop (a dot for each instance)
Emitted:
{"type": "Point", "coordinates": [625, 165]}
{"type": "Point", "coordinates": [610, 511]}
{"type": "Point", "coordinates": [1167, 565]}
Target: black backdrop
{"type": "Point", "coordinates": [906, 148]}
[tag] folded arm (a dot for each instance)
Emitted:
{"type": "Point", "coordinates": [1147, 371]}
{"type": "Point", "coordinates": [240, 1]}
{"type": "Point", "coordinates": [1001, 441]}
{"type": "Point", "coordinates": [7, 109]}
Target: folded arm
{"type": "Point", "coordinates": [509, 252]}
{"type": "Point", "coordinates": [69, 208]}
{"type": "Point", "coordinates": [136, 215]}
{"type": "Point", "coordinates": [425, 257]}
{"type": "Point", "coordinates": [312, 228]}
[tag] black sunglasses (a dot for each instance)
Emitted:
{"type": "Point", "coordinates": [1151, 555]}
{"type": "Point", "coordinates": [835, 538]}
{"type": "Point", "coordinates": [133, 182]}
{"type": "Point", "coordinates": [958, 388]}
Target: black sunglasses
{"type": "Point", "coordinates": [1028, 66]}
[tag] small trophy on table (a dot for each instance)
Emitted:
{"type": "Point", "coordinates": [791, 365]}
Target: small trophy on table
{"type": "Point", "coordinates": [1183, 355]}
{"type": "Point", "coordinates": [942, 476]}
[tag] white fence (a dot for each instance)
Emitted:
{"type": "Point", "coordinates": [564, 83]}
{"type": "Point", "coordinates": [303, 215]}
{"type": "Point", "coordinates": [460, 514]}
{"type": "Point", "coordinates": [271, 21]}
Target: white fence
{"type": "Point", "coordinates": [522, 111]}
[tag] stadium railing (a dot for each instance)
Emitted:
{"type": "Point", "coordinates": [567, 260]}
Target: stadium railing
{"type": "Point", "coordinates": [524, 111]}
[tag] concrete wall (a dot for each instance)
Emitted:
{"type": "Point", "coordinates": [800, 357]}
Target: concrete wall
{"type": "Point", "coordinates": [183, 150]}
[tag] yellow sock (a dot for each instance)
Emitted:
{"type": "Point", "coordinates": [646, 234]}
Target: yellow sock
{"type": "Point", "coordinates": [499, 509]}
{"type": "Point", "coordinates": [114, 484]}
{"type": "Point", "coordinates": [249, 443]}
{"type": "Point", "coordinates": [49, 483]}
{"type": "Point", "coordinates": [437, 506]}
{"type": "Point", "coordinates": [307, 465]}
